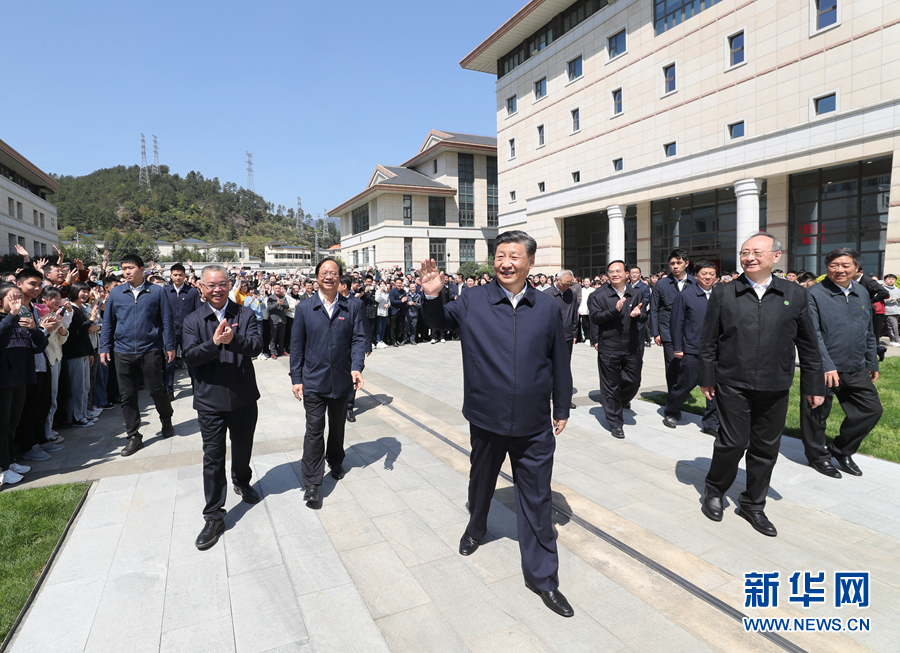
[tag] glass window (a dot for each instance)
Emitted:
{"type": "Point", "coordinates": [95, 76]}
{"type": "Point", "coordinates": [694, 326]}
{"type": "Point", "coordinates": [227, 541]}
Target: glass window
{"type": "Point", "coordinates": [435, 166]}
{"type": "Point", "coordinates": [618, 165]}
{"type": "Point", "coordinates": [669, 78]}
{"type": "Point", "coordinates": [826, 104]}
{"type": "Point", "coordinates": [437, 249]}
{"type": "Point", "coordinates": [826, 13]}
{"type": "Point", "coordinates": [407, 253]}
{"type": "Point", "coordinates": [586, 241]}
{"type": "Point", "coordinates": [736, 130]}
{"type": "Point", "coordinates": [617, 101]}
{"type": "Point", "coordinates": [540, 88]}
{"type": "Point", "coordinates": [493, 193]}
{"type": "Point", "coordinates": [576, 120]}
{"type": "Point", "coordinates": [407, 209]}
{"type": "Point", "coordinates": [669, 13]}
{"type": "Point", "coordinates": [616, 44]}
{"type": "Point", "coordinates": [736, 49]}
{"type": "Point", "coordinates": [576, 177]}
{"type": "Point", "coordinates": [466, 250]}
{"type": "Point", "coordinates": [511, 105]}
{"type": "Point", "coordinates": [437, 207]}
{"type": "Point", "coordinates": [669, 149]}
{"type": "Point", "coordinates": [512, 196]}
{"type": "Point", "coordinates": [512, 148]}
{"type": "Point", "coordinates": [540, 136]}
{"type": "Point", "coordinates": [574, 68]}
{"type": "Point", "coordinates": [361, 219]}
{"type": "Point", "coordinates": [541, 187]}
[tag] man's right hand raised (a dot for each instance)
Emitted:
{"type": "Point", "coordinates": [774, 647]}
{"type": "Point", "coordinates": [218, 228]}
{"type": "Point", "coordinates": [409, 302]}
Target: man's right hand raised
{"type": "Point", "coordinates": [431, 279]}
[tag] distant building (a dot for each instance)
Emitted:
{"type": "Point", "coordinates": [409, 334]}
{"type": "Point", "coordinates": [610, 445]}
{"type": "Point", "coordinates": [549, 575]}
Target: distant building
{"type": "Point", "coordinates": [285, 255]}
{"type": "Point", "coordinates": [441, 204]}
{"type": "Point", "coordinates": [27, 217]}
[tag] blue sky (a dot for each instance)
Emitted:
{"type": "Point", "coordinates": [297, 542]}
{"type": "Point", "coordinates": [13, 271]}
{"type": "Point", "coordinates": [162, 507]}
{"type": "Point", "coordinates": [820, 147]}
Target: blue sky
{"type": "Point", "coordinates": [319, 92]}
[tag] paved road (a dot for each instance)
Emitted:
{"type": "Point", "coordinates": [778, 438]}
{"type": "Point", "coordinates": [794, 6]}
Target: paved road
{"type": "Point", "coordinates": [376, 568]}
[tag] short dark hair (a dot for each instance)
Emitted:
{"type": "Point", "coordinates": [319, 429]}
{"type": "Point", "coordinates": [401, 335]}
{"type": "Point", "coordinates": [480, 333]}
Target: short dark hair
{"type": "Point", "coordinates": [134, 259]}
{"type": "Point", "coordinates": [77, 287]}
{"type": "Point", "coordinates": [830, 256]}
{"type": "Point", "coordinates": [611, 263]}
{"type": "Point", "coordinates": [346, 280]}
{"type": "Point", "coordinates": [51, 292]}
{"type": "Point", "coordinates": [634, 267]}
{"type": "Point", "coordinates": [890, 276]}
{"type": "Point", "coordinates": [806, 276]}
{"type": "Point", "coordinates": [791, 272]}
{"type": "Point", "coordinates": [517, 236]}
{"type": "Point", "coordinates": [28, 273]}
{"type": "Point", "coordinates": [678, 253]}
{"type": "Point", "coordinates": [703, 263]}
{"type": "Point", "coordinates": [336, 262]}
{"type": "Point", "coordinates": [178, 267]}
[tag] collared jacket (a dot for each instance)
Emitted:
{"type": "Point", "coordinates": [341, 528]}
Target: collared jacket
{"type": "Point", "coordinates": [843, 324]}
{"type": "Point", "coordinates": [223, 375]}
{"type": "Point", "coordinates": [397, 303]}
{"type": "Point", "coordinates": [18, 347]}
{"type": "Point", "coordinates": [661, 305]}
{"type": "Point", "coordinates": [136, 325]}
{"type": "Point", "coordinates": [615, 331]}
{"type": "Point", "coordinates": [182, 303]}
{"type": "Point", "coordinates": [414, 303]}
{"type": "Point", "coordinates": [749, 342]}
{"type": "Point", "coordinates": [277, 312]}
{"type": "Point", "coordinates": [514, 359]}
{"type": "Point", "coordinates": [686, 320]}
{"type": "Point", "coordinates": [568, 307]}
{"type": "Point", "coordinates": [324, 351]}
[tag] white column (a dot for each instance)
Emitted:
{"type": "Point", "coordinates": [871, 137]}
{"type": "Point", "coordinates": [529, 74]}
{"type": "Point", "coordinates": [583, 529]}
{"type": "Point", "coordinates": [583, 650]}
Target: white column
{"type": "Point", "coordinates": [747, 193]}
{"type": "Point", "coordinates": [616, 215]}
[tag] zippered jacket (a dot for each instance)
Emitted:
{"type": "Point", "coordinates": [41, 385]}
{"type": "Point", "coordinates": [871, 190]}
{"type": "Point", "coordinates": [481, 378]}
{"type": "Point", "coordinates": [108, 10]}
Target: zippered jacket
{"type": "Point", "coordinates": [843, 324]}
{"type": "Point", "coordinates": [136, 325]}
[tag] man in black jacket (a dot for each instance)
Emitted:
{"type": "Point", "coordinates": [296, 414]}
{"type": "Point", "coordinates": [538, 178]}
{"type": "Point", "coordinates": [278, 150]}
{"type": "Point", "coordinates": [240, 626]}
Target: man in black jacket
{"type": "Point", "coordinates": [220, 340]}
{"type": "Point", "coordinates": [514, 358]}
{"type": "Point", "coordinates": [662, 298]}
{"type": "Point", "coordinates": [568, 301]}
{"type": "Point", "coordinates": [617, 315]}
{"type": "Point", "coordinates": [399, 303]}
{"type": "Point", "coordinates": [841, 315]}
{"type": "Point", "coordinates": [750, 331]}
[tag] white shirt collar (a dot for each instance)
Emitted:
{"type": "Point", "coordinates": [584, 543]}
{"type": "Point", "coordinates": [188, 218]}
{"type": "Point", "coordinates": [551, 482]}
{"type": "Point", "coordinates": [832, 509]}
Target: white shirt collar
{"type": "Point", "coordinates": [329, 308]}
{"type": "Point", "coordinates": [514, 299]}
{"type": "Point", "coordinates": [220, 315]}
{"type": "Point", "coordinates": [760, 288]}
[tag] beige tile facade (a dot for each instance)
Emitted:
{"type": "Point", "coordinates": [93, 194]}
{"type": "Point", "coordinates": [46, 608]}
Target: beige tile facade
{"type": "Point", "coordinates": [27, 217]}
{"type": "Point", "coordinates": [787, 65]}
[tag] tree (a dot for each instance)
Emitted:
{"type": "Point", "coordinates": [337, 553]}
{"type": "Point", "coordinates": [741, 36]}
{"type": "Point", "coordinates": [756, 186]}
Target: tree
{"type": "Point", "coordinates": [223, 256]}
{"type": "Point", "coordinates": [182, 254]}
{"type": "Point", "coordinates": [86, 250]}
{"type": "Point", "coordinates": [131, 242]}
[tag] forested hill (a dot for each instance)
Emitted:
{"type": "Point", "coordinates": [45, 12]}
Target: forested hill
{"type": "Point", "coordinates": [176, 208]}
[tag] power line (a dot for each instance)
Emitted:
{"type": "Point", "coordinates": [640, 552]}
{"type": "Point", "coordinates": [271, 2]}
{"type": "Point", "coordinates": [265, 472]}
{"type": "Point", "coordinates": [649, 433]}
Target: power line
{"type": "Point", "coordinates": [144, 179]}
{"type": "Point", "coordinates": [250, 172]}
{"type": "Point", "coordinates": [155, 169]}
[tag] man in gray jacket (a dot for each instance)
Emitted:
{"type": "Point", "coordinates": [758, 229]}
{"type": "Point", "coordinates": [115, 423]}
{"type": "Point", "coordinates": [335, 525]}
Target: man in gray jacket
{"type": "Point", "coordinates": [841, 313]}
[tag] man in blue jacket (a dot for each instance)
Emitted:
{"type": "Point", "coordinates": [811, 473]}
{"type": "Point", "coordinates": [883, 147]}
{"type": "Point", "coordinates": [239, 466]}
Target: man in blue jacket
{"type": "Point", "coordinates": [138, 324]}
{"type": "Point", "coordinates": [220, 340]}
{"type": "Point", "coordinates": [184, 300]}
{"type": "Point", "coordinates": [514, 359]}
{"type": "Point", "coordinates": [685, 327]}
{"type": "Point", "coordinates": [841, 315]}
{"type": "Point", "coordinates": [328, 349]}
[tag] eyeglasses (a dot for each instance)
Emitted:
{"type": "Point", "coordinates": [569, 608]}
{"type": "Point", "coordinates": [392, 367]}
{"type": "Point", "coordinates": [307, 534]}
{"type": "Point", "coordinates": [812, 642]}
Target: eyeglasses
{"type": "Point", "coordinates": [329, 275]}
{"type": "Point", "coordinates": [756, 253]}
{"type": "Point", "coordinates": [215, 286]}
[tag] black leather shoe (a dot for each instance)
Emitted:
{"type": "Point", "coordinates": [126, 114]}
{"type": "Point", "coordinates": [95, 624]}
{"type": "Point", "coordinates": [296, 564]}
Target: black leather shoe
{"type": "Point", "coordinates": [133, 445]}
{"type": "Point", "coordinates": [712, 432]}
{"type": "Point", "coordinates": [670, 421]}
{"type": "Point", "coordinates": [712, 507]}
{"type": "Point", "coordinates": [846, 462]}
{"type": "Point", "coordinates": [247, 493]}
{"type": "Point", "coordinates": [825, 467]}
{"type": "Point", "coordinates": [572, 406]}
{"type": "Point", "coordinates": [171, 396]}
{"type": "Point", "coordinates": [758, 521]}
{"type": "Point", "coordinates": [554, 600]}
{"type": "Point", "coordinates": [167, 429]}
{"type": "Point", "coordinates": [210, 534]}
{"type": "Point", "coordinates": [617, 433]}
{"type": "Point", "coordinates": [311, 494]}
{"type": "Point", "coordinates": [350, 416]}
{"type": "Point", "coordinates": [627, 406]}
{"type": "Point", "coordinates": [468, 545]}
{"type": "Point", "coordinates": [337, 472]}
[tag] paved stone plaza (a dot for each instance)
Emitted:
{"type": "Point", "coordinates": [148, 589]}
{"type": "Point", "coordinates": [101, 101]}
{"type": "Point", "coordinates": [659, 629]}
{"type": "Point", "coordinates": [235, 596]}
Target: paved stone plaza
{"type": "Point", "coordinates": [376, 567]}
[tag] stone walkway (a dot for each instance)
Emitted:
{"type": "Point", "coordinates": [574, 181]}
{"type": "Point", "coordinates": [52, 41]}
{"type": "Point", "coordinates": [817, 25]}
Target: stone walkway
{"type": "Point", "coordinates": [376, 567]}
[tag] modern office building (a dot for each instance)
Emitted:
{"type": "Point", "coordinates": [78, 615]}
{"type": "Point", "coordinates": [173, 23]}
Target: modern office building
{"type": "Point", "coordinates": [441, 204]}
{"type": "Point", "coordinates": [630, 127]}
{"type": "Point", "coordinates": [27, 217]}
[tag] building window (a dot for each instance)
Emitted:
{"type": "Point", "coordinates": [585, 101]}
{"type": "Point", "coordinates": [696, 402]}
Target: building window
{"type": "Point", "coordinates": [573, 68]}
{"type": "Point", "coordinates": [437, 216]}
{"type": "Point", "coordinates": [669, 79]}
{"type": "Point", "coordinates": [11, 207]}
{"type": "Point", "coordinates": [407, 253]}
{"type": "Point", "coordinates": [826, 13]}
{"type": "Point", "coordinates": [512, 148]}
{"type": "Point", "coordinates": [365, 257]}
{"type": "Point", "coordinates": [361, 219]}
{"type": "Point", "coordinates": [35, 216]}
{"type": "Point", "coordinates": [493, 192]}
{"type": "Point", "coordinates": [466, 250]}
{"type": "Point", "coordinates": [511, 105]}
{"type": "Point", "coordinates": [466, 176]}
{"type": "Point", "coordinates": [407, 209]}
{"type": "Point", "coordinates": [540, 88]}
{"type": "Point", "coordinates": [670, 149]}
{"type": "Point", "coordinates": [576, 177]}
{"type": "Point", "coordinates": [540, 136]}
{"type": "Point", "coordinates": [617, 102]}
{"type": "Point", "coordinates": [585, 241]}
{"type": "Point", "coordinates": [736, 129]}
{"type": "Point", "coordinates": [437, 250]}
{"type": "Point", "coordinates": [355, 258]}
{"type": "Point", "coordinates": [736, 49]}
{"type": "Point", "coordinates": [825, 104]}
{"type": "Point", "coordinates": [42, 221]}
{"type": "Point", "coordinates": [618, 165]}
{"type": "Point", "coordinates": [576, 120]}
{"type": "Point", "coordinates": [541, 187]}
{"type": "Point", "coordinates": [669, 13]}
{"type": "Point", "coordinates": [434, 167]}
{"type": "Point", "coordinates": [512, 196]}
{"type": "Point", "coordinates": [616, 44]}
{"type": "Point", "coordinates": [20, 211]}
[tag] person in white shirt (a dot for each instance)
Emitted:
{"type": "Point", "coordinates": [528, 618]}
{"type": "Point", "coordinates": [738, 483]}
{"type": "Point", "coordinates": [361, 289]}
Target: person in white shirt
{"type": "Point", "coordinates": [892, 309]}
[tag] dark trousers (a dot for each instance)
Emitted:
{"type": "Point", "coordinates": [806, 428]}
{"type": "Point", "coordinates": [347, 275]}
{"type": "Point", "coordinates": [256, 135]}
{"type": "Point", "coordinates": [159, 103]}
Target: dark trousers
{"type": "Point", "coordinates": [112, 385]}
{"type": "Point", "coordinates": [860, 402]}
{"type": "Point", "coordinates": [276, 346]}
{"type": "Point", "coordinates": [397, 328]}
{"type": "Point", "coordinates": [128, 370]}
{"type": "Point", "coordinates": [620, 379]}
{"type": "Point", "coordinates": [288, 327]}
{"type": "Point", "coordinates": [751, 421]}
{"type": "Point", "coordinates": [266, 335]}
{"type": "Point", "coordinates": [531, 458]}
{"type": "Point", "coordinates": [35, 409]}
{"type": "Point", "coordinates": [424, 331]}
{"type": "Point", "coordinates": [213, 425]}
{"type": "Point", "coordinates": [11, 402]}
{"type": "Point", "coordinates": [671, 370]}
{"type": "Point", "coordinates": [170, 367]}
{"type": "Point", "coordinates": [412, 322]}
{"type": "Point", "coordinates": [685, 382]}
{"type": "Point", "coordinates": [315, 452]}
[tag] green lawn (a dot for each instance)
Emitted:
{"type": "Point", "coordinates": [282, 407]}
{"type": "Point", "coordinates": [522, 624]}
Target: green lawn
{"type": "Point", "coordinates": [882, 442]}
{"type": "Point", "coordinates": [31, 523]}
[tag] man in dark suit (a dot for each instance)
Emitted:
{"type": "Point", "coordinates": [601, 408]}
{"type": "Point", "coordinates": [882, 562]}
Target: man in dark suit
{"type": "Point", "coordinates": [634, 276]}
{"type": "Point", "coordinates": [751, 329]}
{"type": "Point", "coordinates": [328, 343]}
{"type": "Point", "coordinates": [617, 314]}
{"type": "Point", "coordinates": [661, 300]}
{"type": "Point", "coordinates": [686, 326]}
{"type": "Point", "coordinates": [398, 299]}
{"type": "Point", "coordinates": [184, 300]}
{"type": "Point", "coordinates": [220, 340]}
{"type": "Point", "coordinates": [567, 299]}
{"type": "Point", "coordinates": [346, 290]}
{"type": "Point", "coordinates": [514, 358]}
